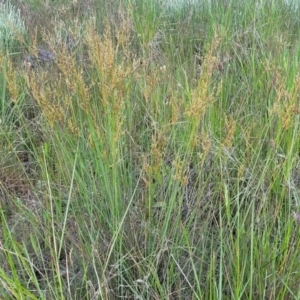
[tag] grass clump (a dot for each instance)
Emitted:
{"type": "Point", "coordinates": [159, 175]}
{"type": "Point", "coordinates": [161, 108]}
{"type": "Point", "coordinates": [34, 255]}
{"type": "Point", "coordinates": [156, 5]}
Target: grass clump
{"type": "Point", "coordinates": [155, 156]}
{"type": "Point", "coordinates": [12, 26]}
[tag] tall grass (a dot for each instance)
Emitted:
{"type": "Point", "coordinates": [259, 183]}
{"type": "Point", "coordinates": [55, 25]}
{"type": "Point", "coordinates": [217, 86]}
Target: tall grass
{"type": "Point", "coordinates": [155, 158]}
{"type": "Point", "coordinates": [11, 26]}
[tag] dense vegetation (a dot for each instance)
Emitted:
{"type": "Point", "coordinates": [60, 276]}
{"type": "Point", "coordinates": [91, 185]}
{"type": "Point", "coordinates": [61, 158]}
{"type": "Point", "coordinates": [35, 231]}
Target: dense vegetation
{"type": "Point", "coordinates": [149, 152]}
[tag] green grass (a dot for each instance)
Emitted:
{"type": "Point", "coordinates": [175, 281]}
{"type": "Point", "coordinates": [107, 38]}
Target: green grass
{"type": "Point", "coordinates": [155, 158]}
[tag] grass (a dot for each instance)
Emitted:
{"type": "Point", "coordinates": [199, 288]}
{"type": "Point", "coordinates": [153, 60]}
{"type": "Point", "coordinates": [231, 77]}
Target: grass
{"type": "Point", "coordinates": [157, 157]}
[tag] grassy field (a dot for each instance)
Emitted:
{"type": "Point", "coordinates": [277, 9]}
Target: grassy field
{"type": "Point", "coordinates": [148, 152]}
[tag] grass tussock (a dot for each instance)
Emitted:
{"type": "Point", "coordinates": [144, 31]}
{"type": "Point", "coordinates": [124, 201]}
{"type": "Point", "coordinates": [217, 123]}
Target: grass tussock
{"type": "Point", "coordinates": [149, 152]}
